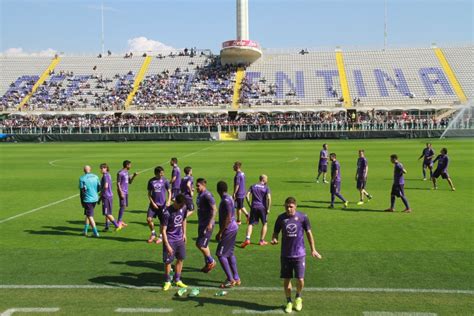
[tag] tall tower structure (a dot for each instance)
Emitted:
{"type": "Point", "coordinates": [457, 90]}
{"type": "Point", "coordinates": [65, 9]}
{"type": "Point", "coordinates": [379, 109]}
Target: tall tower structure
{"type": "Point", "coordinates": [241, 50]}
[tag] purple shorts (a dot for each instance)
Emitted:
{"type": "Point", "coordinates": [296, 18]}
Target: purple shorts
{"type": "Point", "coordinates": [154, 213]}
{"type": "Point", "coordinates": [322, 168]}
{"type": "Point", "coordinates": [204, 237]}
{"type": "Point", "coordinates": [89, 209]}
{"type": "Point", "coordinates": [189, 203]}
{"type": "Point", "coordinates": [175, 192]}
{"type": "Point", "coordinates": [179, 252]}
{"type": "Point", "coordinates": [124, 201]}
{"type": "Point", "coordinates": [107, 206]}
{"type": "Point", "coordinates": [440, 172]}
{"type": "Point", "coordinates": [256, 214]}
{"type": "Point", "coordinates": [239, 203]}
{"type": "Point", "coordinates": [428, 164]}
{"type": "Point", "coordinates": [290, 265]}
{"type": "Point", "coordinates": [225, 247]}
{"type": "Point", "coordinates": [335, 187]}
{"type": "Point", "coordinates": [398, 190]}
{"type": "Point", "coordinates": [361, 183]}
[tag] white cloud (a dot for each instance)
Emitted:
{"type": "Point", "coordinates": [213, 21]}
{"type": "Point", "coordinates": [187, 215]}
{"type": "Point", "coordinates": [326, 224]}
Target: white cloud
{"type": "Point", "coordinates": [142, 44]}
{"type": "Point", "coordinates": [18, 51]}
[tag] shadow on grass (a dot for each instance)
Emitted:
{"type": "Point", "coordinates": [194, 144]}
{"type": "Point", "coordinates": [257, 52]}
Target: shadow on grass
{"type": "Point", "coordinates": [246, 305]}
{"type": "Point", "coordinates": [144, 223]}
{"type": "Point", "coordinates": [77, 232]}
{"type": "Point", "coordinates": [424, 189]}
{"type": "Point", "coordinates": [340, 209]}
{"type": "Point", "coordinates": [298, 181]}
{"type": "Point", "coordinates": [137, 211]}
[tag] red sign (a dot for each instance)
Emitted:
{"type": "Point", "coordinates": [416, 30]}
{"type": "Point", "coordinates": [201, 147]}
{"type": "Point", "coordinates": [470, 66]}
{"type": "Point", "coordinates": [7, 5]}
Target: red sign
{"type": "Point", "coordinates": [240, 43]}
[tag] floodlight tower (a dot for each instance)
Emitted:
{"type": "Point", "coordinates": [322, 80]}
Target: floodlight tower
{"type": "Point", "coordinates": [241, 50]}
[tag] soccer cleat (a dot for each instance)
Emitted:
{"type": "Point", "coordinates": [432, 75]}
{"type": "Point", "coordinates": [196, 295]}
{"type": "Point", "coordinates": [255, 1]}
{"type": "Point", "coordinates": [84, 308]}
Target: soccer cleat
{"type": "Point", "coordinates": [434, 188]}
{"type": "Point", "coordinates": [289, 307]}
{"type": "Point", "coordinates": [237, 282]}
{"type": "Point", "coordinates": [262, 243]}
{"type": "Point", "coordinates": [324, 181]}
{"type": "Point", "coordinates": [360, 203]}
{"type": "Point", "coordinates": [424, 179]}
{"type": "Point", "coordinates": [96, 235]}
{"type": "Point", "coordinates": [245, 243]}
{"type": "Point", "coordinates": [151, 239]}
{"type": "Point", "coordinates": [407, 210]}
{"type": "Point", "coordinates": [298, 304]}
{"type": "Point", "coordinates": [331, 206]}
{"type": "Point", "coordinates": [122, 223]}
{"type": "Point", "coordinates": [369, 197]}
{"type": "Point", "coordinates": [453, 189]}
{"type": "Point", "coordinates": [84, 234]}
{"type": "Point", "coordinates": [239, 223]}
{"type": "Point", "coordinates": [106, 229]}
{"type": "Point", "coordinates": [166, 286]}
{"type": "Point", "coordinates": [389, 210]}
{"type": "Point", "coordinates": [158, 241]}
{"type": "Point", "coordinates": [317, 181]}
{"type": "Point", "coordinates": [180, 284]}
{"type": "Point", "coordinates": [227, 284]}
{"type": "Point", "coordinates": [346, 204]}
{"type": "Point", "coordinates": [118, 228]}
{"type": "Point", "coordinates": [210, 266]}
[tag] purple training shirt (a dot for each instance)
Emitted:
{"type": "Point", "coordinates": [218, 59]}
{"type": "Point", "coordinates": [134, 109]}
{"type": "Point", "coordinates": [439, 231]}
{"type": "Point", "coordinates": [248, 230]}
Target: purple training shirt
{"type": "Point", "coordinates": [361, 165]}
{"type": "Point", "coordinates": [123, 178]}
{"type": "Point", "coordinates": [204, 202]}
{"type": "Point", "coordinates": [335, 166]}
{"type": "Point", "coordinates": [292, 228]}
{"type": "Point", "coordinates": [259, 195]}
{"type": "Point", "coordinates": [239, 179]}
{"type": "Point", "coordinates": [173, 219]}
{"type": "Point", "coordinates": [176, 172]}
{"type": "Point", "coordinates": [323, 153]}
{"type": "Point", "coordinates": [158, 188]}
{"type": "Point", "coordinates": [398, 174]}
{"type": "Point", "coordinates": [226, 209]}
{"type": "Point", "coordinates": [106, 178]}
{"type": "Point", "coordinates": [184, 185]}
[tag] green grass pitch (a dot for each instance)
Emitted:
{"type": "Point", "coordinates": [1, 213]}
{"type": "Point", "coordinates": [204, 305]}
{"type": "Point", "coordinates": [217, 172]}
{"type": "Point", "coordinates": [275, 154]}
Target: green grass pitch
{"type": "Point", "coordinates": [362, 247]}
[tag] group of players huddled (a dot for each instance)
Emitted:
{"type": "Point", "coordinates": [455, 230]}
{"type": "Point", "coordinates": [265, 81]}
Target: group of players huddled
{"type": "Point", "coordinates": [172, 202]}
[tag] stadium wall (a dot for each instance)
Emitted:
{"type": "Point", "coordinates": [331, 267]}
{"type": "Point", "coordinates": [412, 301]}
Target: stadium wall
{"type": "Point", "coordinates": [106, 137]}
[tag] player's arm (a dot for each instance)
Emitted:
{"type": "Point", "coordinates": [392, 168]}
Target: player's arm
{"type": "Point", "coordinates": [150, 198]}
{"type": "Point", "coordinates": [82, 191]}
{"type": "Point", "coordinates": [213, 217]}
{"type": "Point", "coordinates": [236, 188]}
{"type": "Point", "coordinates": [436, 159]}
{"type": "Point", "coordinates": [276, 231]}
{"type": "Point", "coordinates": [188, 184]}
{"type": "Point", "coordinates": [314, 253]}
{"type": "Point", "coordinates": [168, 200]}
{"type": "Point", "coordinates": [366, 172]}
{"type": "Point", "coordinates": [119, 187]}
{"type": "Point", "coordinates": [247, 198]}
{"type": "Point", "coordinates": [421, 156]}
{"type": "Point", "coordinates": [165, 239]}
{"type": "Point", "coordinates": [269, 202]}
{"type": "Point", "coordinates": [404, 170]}
{"type": "Point", "coordinates": [184, 229]}
{"type": "Point", "coordinates": [225, 225]}
{"type": "Point", "coordinates": [130, 179]}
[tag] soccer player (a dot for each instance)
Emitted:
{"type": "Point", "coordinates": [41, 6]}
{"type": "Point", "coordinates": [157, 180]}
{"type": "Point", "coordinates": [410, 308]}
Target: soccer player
{"type": "Point", "coordinates": [123, 180]}
{"type": "Point", "coordinates": [336, 181]}
{"type": "Point", "coordinates": [259, 209]}
{"type": "Point", "coordinates": [187, 189]}
{"type": "Point", "coordinates": [239, 191]}
{"type": "Point", "coordinates": [323, 163]}
{"type": "Point", "coordinates": [228, 229]}
{"type": "Point", "coordinates": [89, 187]}
{"type": "Point", "coordinates": [206, 205]}
{"type": "Point", "coordinates": [175, 178]}
{"type": "Point", "coordinates": [361, 177]}
{"type": "Point", "coordinates": [157, 188]}
{"type": "Point", "coordinates": [173, 229]}
{"type": "Point", "coordinates": [398, 185]}
{"type": "Point", "coordinates": [442, 169]}
{"type": "Point", "coordinates": [293, 253]}
{"type": "Point", "coordinates": [107, 197]}
{"type": "Point", "coordinates": [427, 155]}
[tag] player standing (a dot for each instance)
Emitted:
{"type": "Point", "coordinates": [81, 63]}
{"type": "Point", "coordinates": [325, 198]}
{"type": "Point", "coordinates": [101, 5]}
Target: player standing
{"type": "Point", "coordinates": [89, 187]}
{"type": "Point", "coordinates": [228, 229]}
{"type": "Point", "coordinates": [206, 205]}
{"type": "Point", "coordinates": [239, 191]}
{"type": "Point", "coordinates": [398, 185]}
{"type": "Point", "coordinates": [259, 209]}
{"type": "Point", "coordinates": [361, 177]}
{"type": "Point", "coordinates": [323, 163]}
{"type": "Point", "coordinates": [157, 188]}
{"type": "Point", "coordinates": [107, 197]}
{"type": "Point", "coordinates": [123, 180]}
{"type": "Point", "coordinates": [427, 155]}
{"type": "Point", "coordinates": [187, 189]}
{"type": "Point", "coordinates": [442, 169]}
{"type": "Point", "coordinates": [175, 178]}
{"type": "Point", "coordinates": [336, 181]}
{"type": "Point", "coordinates": [293, 253]}
{"type": "Point", "coordinates": [173, 229]}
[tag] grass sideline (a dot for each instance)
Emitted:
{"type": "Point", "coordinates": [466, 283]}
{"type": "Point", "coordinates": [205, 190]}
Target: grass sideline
{"type": "Point", "coordinates": [362, 247]}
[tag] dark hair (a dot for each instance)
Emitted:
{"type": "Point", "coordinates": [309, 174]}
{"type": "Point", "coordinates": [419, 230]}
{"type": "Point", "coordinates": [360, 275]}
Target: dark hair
{"type": "Point", "coordinates": [324, 145]}
{"type": "Point", "coordinates": [126, 163]}
{"type": "Point", "coordinates": [187, 170]}
{"type": "Point", "coordinates": [290, 200]}
{"type": "Point", "coordinates": [332, 155]}
{"type": "Point", "coordinates": [174, 160]}
{"type": "Point", "coordinates": [158, 170]}
{"type": "Point", "coordinates": [201, 181]}
{"type": "Point", "coordinates": [180, 199]}
{"type": "Point", "coordinates": [361, 150]}
{"type": "Point", "coordinates": [238, 164]}
{"type": "Point", "coordinates": [221, 187]}
{"type": "Point", "coordinates": [104, 165]}
{"type": "Point", "coordinates": [445, 150]}
{"type": "Point", "coordinates": [393, 156]}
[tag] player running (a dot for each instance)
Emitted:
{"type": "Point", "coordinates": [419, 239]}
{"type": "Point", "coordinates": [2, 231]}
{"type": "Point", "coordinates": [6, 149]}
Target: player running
{"type": "Point", "coordinates": [123, 180]}
{"type": "Point", "coordinates": [442, 169]}
{"type": "Point", "coordinates": [175, 178]}
{"type": "Point", "coordinates": [293, 253]}
{"type": "Point", "coordinates": [335, 188]}
{"type": "Point", "coordinates": [259, 209]}
{"type": "Point", "coordinates": [89, 187]}
{"type": "Point", "coordinates": [239, 191]}
{"type": "Point", "coordinates": [361, 177]}
{"type": "Point", "coordinates": [398, 185]}
{"type": "Point", "coordinates": [107, 197]}
{"type": "Point", "coordinates": [427, 154]}
{"type": "Point", "coordinates": [173, 229]}
{"type": "Point", "coordinates": [323, 163]}
{"type": "Point", "coordinates": [206, 205]}
{"type": "Point", "coordinates": [187, 189]}
{"type": "Point", "coordinates": [228, 229]}
{"type": "Point", "coordinates": [157, 188]}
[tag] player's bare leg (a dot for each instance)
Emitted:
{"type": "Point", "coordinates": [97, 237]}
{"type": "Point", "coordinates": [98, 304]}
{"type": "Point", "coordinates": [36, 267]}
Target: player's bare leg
{"type": "Point", "coordinates": [451, 184]}
{"type": "Point", "coordinates": [287, 290]}
{"type": "Point", "coordinates": [263, 233]}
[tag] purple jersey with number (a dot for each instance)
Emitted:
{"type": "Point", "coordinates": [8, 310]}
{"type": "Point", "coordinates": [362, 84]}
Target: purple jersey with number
{"type": "Point", "coordinates": [173, 219]}
{"type": "Point", "coordinates": [184, 185]}
{"type": "Point", "coordinates": [361, 166]}
{"type": "Point", "coordinates": [335, 166]}
{"type": "Point", "coordinates": [292, 228]}
{"type": "Point", "coordinates": [158, 188]}
{"type": "Point", "coordinates": [323, 157]}
{"type": "Point", "coordinates": [204, 202]}
{"type": "Point", "coordinates": [106, 178]}
{"type": "Point", "coordinates": [239, 180]}
{"type": "Point", "coordinates": [398, 174]}
{"type": "Point", "coordinates": [123, 179]}
{"type": "Point", "coordinates": [176, 173]}
{"type": "Point", "coordinates": [443, 162]}
{"type": "Point", "coordinates": [226, 209]}
{"type": "Point", "coordinates": [259, 195]}
{"type": "Point", "coordinates": [427, 153]}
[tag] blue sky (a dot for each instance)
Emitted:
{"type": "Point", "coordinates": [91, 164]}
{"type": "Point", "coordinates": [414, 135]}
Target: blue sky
{"type": "Point", "coordinates": [73, 26]}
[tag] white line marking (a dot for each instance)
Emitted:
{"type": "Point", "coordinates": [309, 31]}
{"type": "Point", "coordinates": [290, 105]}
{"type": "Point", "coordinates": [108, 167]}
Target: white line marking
{"type": "Point", "coordinates": [143, 310]}
{"type": "Point", "coordinates": [293, 160]}
{"type": "Point", "coordinates": [242, 288]}
{"type": "Point", "coordinates": [52, 164]}
{"type": "Point", "coordinates": [251, 311]}
{"type": "Point", "coordinates": [10, 311]}
{"type": "Point", "coordinates": [38, 208]}
{"type": "Point", "coordinates": [398, 314]}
